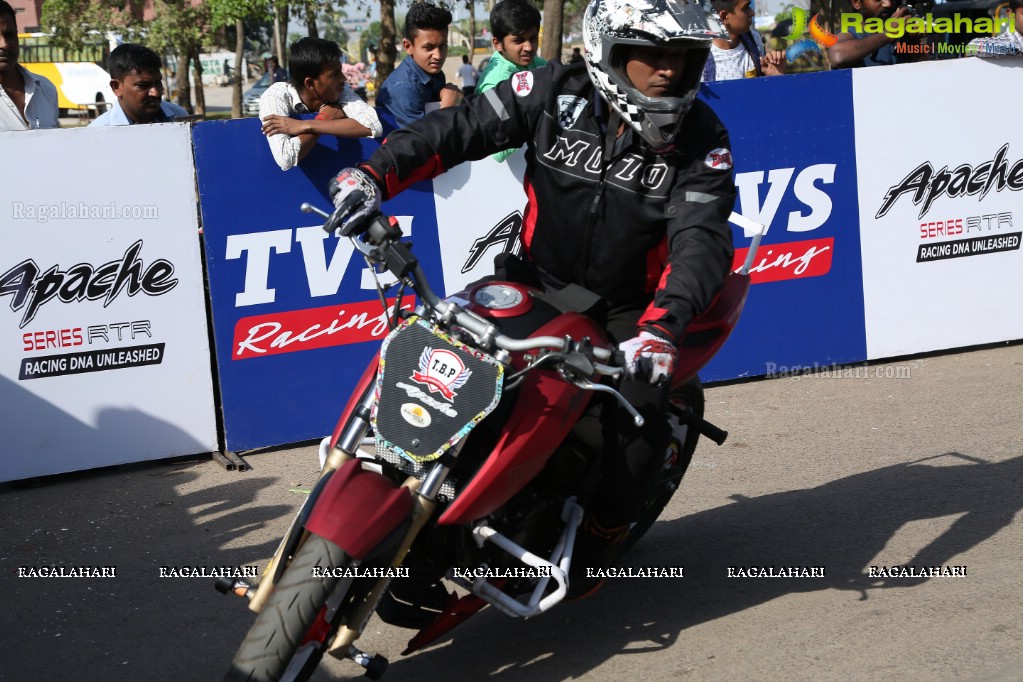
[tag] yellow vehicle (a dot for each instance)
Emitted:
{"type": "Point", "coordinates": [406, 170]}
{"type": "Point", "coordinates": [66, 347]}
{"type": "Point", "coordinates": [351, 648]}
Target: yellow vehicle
{"type": "Point", "coordinates": [81, 81]}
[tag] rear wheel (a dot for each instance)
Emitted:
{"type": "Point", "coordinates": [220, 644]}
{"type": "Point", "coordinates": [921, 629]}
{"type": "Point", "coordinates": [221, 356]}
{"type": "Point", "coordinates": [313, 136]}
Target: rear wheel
{"type": "Point", "coordinates": [291, 618]}
{"type": "Point", "coordinates": [676, 462]}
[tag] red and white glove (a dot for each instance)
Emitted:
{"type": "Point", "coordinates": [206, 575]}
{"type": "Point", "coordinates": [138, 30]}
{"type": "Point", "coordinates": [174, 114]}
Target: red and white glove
{"type": "Point", "coordinates": [346, 183]}
{"type": "Point", "coordinates": [649, 357]}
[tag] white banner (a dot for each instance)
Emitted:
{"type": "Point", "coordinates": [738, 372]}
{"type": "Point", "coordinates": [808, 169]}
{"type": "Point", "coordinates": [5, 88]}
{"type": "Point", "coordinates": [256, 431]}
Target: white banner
{"type": "Point", "coordinates": [479, 215]}
{"type": "Point", "coordinates": [104, 353]}
{"type": "Point", "coordinates": [941, 205]}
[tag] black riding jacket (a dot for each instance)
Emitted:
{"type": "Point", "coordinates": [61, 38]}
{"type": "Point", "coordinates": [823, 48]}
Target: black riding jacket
{"type": "Point", "coordinates": [645, 231]}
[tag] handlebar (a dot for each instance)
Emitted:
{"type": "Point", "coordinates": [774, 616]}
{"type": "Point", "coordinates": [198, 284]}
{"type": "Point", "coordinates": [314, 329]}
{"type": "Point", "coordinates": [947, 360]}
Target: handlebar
{"type": "Point", "coordinates": [381, 244]}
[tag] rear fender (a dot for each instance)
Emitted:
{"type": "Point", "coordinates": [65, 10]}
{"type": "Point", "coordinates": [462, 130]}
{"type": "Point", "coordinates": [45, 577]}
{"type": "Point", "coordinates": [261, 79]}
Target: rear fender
{"type": "Point", "coordinates": [359, 509]}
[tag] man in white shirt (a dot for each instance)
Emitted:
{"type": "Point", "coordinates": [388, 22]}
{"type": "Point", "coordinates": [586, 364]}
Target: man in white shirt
{"type": "Point", "coordinates": [27, 100]}
{"type": "Point", "coordinates": [468, 73]}
{"type": "Point", "coordinates": [743, 54]}
{"type": "Point", "coordinates": [136, 79]}
{"type": "Point", "coordinates": [317, 85]}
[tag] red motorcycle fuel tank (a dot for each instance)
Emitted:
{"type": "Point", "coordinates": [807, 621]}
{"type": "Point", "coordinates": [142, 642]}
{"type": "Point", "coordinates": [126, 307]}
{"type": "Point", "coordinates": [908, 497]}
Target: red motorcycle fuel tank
{"type": "Point", "coordinates": [545, 411]}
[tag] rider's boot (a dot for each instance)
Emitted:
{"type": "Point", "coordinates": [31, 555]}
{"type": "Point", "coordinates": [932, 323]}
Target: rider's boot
{"type": "Point", "coordinates": [596, 548]}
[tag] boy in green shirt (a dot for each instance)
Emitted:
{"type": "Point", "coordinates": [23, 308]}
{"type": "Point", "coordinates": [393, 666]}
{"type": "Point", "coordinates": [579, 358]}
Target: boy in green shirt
{"type": "Point", "coordinates": [516, 28]}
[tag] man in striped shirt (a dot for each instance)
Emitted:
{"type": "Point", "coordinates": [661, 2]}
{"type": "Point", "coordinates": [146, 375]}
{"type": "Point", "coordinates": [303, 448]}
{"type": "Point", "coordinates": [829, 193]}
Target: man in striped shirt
{"type": "Point", "coordinates": [317, 85]}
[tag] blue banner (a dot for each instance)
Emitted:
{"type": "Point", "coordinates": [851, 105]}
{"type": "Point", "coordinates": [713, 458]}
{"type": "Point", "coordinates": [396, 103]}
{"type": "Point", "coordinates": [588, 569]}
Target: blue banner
{"type": "Point", "coordinates": [795, 164]}
{"type": "Point", "coordinates": [295, 317]}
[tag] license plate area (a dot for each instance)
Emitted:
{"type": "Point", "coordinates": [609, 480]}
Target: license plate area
{"type": "Point", "coordinates": [431, 391]}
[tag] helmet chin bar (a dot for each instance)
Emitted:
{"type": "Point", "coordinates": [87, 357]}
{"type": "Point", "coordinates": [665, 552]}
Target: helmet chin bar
{"type": "Point", "coordinates": [610, 27]}
{"type": "Point", "coordinates": [657, 120]}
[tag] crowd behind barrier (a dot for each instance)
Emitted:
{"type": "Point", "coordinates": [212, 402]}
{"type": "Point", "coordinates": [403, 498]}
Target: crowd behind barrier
{"type": "Point", "coordinates": [877, 246]}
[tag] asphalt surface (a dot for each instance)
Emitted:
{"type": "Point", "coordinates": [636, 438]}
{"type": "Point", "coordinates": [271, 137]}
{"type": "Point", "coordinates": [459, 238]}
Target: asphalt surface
{"type": "Point", "coordinates": [843, 472]}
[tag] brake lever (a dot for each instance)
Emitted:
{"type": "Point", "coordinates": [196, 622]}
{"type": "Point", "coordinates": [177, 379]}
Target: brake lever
{"type": "Point", "coordinates": [306, 207]}
{"type": "Point", "coordinates": [588, 385]}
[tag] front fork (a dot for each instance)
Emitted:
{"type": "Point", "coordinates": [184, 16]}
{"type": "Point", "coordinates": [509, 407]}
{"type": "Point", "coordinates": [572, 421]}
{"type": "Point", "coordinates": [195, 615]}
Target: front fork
{"type": "Point", "coordinates": [347, 444]}
{"type": "Point", "coordinates": [424, 503]}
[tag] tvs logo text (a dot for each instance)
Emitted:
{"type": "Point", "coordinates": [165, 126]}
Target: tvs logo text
{"type": "Point", "coordinates": [309, 328]}
{"type": "Point", "coordinates": [792, 259]}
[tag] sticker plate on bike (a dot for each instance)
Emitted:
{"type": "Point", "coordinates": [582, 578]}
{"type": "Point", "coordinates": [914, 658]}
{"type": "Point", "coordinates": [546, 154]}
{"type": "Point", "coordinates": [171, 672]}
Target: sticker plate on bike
{"type": "Point", "coordinates": [431, 391]}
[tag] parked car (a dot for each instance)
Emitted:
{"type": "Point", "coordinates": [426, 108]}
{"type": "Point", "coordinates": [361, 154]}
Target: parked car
{"type": "Point", "coordinates": [250, 101]}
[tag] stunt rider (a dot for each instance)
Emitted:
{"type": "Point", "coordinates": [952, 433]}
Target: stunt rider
{"type": "Point", "coordinates": [629, 186]}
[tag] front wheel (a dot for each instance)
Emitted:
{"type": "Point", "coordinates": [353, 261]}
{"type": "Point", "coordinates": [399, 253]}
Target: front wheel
{"type": "Point", "coordinates": [291, 618]}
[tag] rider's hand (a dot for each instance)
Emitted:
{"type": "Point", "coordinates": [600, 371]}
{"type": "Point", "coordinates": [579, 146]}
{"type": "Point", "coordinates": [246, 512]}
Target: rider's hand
{"type": "Point", "coordinates": [450, 96]}
{"type": "Point", "coordinates": [649, 357]}
{"type": "Point", "coordinates": [348, 182]}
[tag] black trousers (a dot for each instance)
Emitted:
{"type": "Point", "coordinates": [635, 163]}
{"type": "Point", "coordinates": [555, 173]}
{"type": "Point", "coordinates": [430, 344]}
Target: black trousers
{"type": "Point", "coordinates": [631, 456]}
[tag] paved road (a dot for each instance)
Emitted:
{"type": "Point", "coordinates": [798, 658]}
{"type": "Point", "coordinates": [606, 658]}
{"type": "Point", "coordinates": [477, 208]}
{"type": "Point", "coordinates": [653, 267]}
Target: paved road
{"type": "Point", "coordinates": [844, 472]}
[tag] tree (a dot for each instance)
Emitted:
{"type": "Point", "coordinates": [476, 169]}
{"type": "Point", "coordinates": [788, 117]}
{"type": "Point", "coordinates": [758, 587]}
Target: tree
{"type": "Point", "coordinates": [332, 28]}
{"type": "Point", "coordinates": [226, 13]}
{"type": "Point", "coordinates": [309, 11]}
{"type": "Point", "coordinates": [178, 27]}
{"type": "Point", "coordinates": [553, 12]}
{"type": "Point", "coordinates": [471, 4]}
{"type": "Point", "coordinates": [71, 21]}
{"type": "Point", "coordinates": [387, 48]}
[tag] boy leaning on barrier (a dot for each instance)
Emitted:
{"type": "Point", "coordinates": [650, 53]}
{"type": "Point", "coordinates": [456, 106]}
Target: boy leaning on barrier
{"type": "Point", "coordinates": [137, 81]}
{"type": "Point", "coordinates": [1008, 43]}
{"type": "Point", "coordinates": [27, 100]}
{"type": "Point", "coordinates": [317, 85]}
{"type": "Point", "coordinates": [742, 54]}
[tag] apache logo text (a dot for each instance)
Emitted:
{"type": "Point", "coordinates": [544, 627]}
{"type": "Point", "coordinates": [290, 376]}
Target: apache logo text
{"type": "Point", "coordinates": [30, 289]}
{"type": "Point", "coordinates": [925, 185]}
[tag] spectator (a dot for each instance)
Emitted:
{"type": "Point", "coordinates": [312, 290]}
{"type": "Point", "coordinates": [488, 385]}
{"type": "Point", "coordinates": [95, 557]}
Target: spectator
{"type": "Point", "coordinates": [576, 56]}
{"type": "Point", "coordinates": [418, 85]}
{"type": "Point", "coordinates": [27, 101]}
{"type": "Point", "coordinates": [173, 86]}
{"type": "Point", "coordinates": [279, 74]}
{"type": "Point", "coordinates": [317, 85]}
{"type": "Point", "coordinates": [468, 73]}
{"type": "Point", "coordinates": [1008, 43]}
{"type": "Point", "coordinates": [516, 26]}
{"type": "Point", "coordinates": [855, 49]}
{"type": "Point", "coordinates": [135, 78]}
{"type": "Point", "coordinates": [741, 54]}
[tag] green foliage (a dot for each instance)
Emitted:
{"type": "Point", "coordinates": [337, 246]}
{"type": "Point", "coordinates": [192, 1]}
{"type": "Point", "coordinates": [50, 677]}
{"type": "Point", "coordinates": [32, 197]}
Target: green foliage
{"type": "Point", "coordinates": [177, 26]}
{"type": "Point", "coordinates": [71, 21]}
{"type": "Point", "coordinates": [369, 37]}
{"type": "Point", "coordinates": [224, 13]}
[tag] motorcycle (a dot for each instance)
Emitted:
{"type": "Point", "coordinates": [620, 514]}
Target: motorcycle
{"type": "Point", "coordinates": [457, 458]}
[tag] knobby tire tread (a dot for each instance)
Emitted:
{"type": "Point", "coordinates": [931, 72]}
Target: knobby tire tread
{"type": "Point", "coordinates": [281, 625]}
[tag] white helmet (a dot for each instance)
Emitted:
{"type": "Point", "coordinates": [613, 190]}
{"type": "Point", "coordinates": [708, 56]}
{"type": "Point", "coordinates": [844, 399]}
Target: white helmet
{"type": "Point", "coordinates": [611, 25]}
